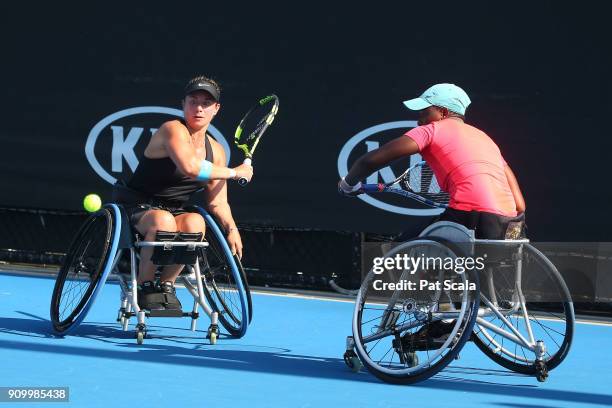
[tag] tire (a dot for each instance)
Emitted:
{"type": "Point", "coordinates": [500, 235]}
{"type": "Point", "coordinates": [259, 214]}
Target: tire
{"type": "Point", "coordinates": [87, 264]}
{"type": "Point", "coordinates": [418, 309]}
{"type": "Point", "coordinates": [225, 283]}
{"type": "Point", "coordinates": [555, 309]}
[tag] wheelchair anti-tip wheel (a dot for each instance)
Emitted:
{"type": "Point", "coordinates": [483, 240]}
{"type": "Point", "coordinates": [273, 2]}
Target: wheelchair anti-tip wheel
{"type": "Point", "coordinates": [546, 315]}
{"type": "Point", "coordinates": [352, 361]}
{"type": "Point", "coordinates": [87, 264]}
{"type": "Point", "coordinates": [405, 332]}
{"type": "Point", "coordinates": [225, 283]}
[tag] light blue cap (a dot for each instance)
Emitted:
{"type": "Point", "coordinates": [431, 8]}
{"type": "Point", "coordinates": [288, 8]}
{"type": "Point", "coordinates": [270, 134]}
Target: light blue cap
{"type": "Point", "coordinates": [448, 96]}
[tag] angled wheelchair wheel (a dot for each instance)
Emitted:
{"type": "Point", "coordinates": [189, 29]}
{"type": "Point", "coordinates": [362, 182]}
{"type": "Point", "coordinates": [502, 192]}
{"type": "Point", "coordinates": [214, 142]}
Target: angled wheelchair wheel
{"type": "Point", "coordinates": [87, 264]}
{"type": "Point", "coordinates": [225, 284]}
{"type": "Point", "coordinates": [405, 332]}
{"type": "Point", "coordinates": [545, 313]}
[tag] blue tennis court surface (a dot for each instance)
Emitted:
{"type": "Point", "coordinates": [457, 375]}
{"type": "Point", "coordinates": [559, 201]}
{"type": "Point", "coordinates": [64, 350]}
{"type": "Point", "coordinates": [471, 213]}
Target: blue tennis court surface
{"type": "Point", "coordinates": [290, 357]}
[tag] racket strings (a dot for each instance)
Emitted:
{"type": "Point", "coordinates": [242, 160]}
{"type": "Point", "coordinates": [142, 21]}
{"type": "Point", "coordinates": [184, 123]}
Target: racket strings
{"type": "Point", "coordinates": [260, 125]}
{"type": "Point", "coordinates": [421, 180]}
{"type": "Point", "coordinates": [254, 124]}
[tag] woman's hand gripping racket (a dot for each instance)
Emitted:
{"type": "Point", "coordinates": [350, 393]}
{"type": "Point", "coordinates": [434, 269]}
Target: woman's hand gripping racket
{"type": "Point", "coordinates": [252, 127]}
{"type": "Point", "coordinates": [417, 183]}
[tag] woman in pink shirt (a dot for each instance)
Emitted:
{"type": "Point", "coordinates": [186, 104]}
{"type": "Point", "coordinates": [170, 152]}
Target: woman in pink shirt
{"type": "Point", "coordinates": [484, 193]}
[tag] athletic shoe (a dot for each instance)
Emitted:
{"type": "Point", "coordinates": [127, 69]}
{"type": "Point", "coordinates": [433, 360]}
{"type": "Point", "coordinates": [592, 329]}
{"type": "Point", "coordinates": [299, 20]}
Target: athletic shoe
{"type": "Point", "coordinates": [429, 337]}
{"type": "Point", "coordinates": [171, 302]}
{"type": "Point", "coordinates": [149, 296]}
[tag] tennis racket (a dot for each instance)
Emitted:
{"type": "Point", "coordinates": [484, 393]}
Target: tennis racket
{"type": "Point", "coordinates": [252, 127]}
{"type": "Point", "coordinates": [418, 183]}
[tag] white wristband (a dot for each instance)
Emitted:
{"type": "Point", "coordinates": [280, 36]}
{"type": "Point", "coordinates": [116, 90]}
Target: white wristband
{"type": "Point", "coordinates": [232, 174]}
{"type": "Point", "coordinates": [347, 188]}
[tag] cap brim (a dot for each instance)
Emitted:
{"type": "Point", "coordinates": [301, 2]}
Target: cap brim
{"type": "Point", "coordinates": [417, 104]}
{"type": "Point", "coordinates": [203, 87]}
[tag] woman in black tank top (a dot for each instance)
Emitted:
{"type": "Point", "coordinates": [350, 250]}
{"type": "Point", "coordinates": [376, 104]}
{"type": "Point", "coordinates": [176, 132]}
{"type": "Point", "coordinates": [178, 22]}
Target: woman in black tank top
{"type": "Point", "coordinates": [162, 181]}
{"type": "Point", "coordinates": [179, 160]}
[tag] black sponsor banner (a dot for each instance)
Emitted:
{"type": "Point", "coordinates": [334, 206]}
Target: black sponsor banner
{"type": "Point", "coordinates": [84, 90]}
{"type": "Point", "coordinates": [544, 271]}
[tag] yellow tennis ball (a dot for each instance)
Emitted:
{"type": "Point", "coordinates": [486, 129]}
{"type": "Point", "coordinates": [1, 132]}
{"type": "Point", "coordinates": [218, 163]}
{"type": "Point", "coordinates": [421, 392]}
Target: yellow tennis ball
{"type": "Point", "coordinates": [92, 202]}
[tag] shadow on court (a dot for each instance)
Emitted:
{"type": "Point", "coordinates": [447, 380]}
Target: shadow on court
{"type": "Point", "coordinates": [189, 348]}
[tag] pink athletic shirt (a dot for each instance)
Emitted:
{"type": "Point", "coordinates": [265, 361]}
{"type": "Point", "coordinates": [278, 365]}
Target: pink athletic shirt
{"type": "Point", "coordinates": [467, 164]}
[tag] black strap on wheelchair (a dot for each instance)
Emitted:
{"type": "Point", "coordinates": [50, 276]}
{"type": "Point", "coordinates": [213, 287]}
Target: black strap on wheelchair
{"type": "Point", "coordinates": [183, 255]}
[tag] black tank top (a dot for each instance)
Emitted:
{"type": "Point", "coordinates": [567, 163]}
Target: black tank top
{"type": "Point", "coordinates": [161, 180]}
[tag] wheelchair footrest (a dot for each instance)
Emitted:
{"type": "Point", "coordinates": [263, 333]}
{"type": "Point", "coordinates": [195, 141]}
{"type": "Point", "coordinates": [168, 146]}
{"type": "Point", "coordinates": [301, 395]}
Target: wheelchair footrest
{"type": "Point", "coordinates": [167, 313]}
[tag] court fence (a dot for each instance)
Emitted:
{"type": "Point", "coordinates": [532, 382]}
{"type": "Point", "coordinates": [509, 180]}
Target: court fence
{"type": "Point", "coordinates": [273, 256]}
{"type": "Point", "coordinates": [282, 257]}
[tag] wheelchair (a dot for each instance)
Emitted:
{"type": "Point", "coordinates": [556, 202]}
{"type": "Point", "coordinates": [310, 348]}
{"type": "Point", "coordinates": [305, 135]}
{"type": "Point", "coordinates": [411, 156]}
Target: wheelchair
{"type": "Point", "coordinates": [516, 308]}
{"type": "Point", "coordinates": [212, 275]}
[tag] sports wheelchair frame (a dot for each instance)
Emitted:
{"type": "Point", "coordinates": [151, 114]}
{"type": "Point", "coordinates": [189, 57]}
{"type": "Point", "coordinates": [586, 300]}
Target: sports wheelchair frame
{"type": "Point", "coordinates": [517, 310]}
{"type": "Point", "coordinates": [212, 275]}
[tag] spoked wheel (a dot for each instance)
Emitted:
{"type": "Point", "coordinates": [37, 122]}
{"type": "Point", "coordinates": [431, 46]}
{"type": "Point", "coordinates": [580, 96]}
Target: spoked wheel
{"type": "Point", "coordinates": [545, 313]}
{"type": "Point", "coordinates": [88, 262]}
{"type": "Point", "coordinates": [225, 284]}
{"type": "Point", "coordinates": [405, 332]}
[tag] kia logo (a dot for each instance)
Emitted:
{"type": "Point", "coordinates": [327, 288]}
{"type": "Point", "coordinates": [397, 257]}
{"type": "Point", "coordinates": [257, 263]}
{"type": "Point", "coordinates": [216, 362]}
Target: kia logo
{"type": "Point", "coordinates": [120, 133]}
{"type": "Point", "coordinates": [368, 140]}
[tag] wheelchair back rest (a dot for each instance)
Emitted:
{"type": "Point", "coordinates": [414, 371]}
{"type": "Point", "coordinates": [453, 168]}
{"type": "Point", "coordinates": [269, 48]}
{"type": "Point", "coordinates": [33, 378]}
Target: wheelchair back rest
{"type": "Point", "coordinates": [461, 237]}
{"type": "Point", "coordinates": [448, 231]}
{"type": "Point", "coordinates": [169, 254]}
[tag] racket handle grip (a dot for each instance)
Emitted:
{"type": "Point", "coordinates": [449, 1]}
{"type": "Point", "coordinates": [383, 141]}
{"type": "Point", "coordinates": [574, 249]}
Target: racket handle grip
{"type": "Point", "coordinates": [372, 188]}
{"type": "Point", "coordinates": [242, 181]}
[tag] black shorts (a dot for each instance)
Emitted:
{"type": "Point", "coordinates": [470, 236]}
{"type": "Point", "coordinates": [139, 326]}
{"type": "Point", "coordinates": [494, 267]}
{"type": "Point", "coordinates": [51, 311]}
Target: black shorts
{"type": "Point", "coordinates": [487, 225]}
{"type": "Point", "coordinates": [136, 203]}
{"type": "Point", "coordinates": [136, 211]}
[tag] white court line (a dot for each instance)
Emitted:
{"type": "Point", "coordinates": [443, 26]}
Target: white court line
{"type": "Point", "coordinates": [329, 298]}
{"type": "Point", "coordinates": [592, 323]}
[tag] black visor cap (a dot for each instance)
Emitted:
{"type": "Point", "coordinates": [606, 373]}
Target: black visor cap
{"type": "Point", "coordinates": [202, 86]}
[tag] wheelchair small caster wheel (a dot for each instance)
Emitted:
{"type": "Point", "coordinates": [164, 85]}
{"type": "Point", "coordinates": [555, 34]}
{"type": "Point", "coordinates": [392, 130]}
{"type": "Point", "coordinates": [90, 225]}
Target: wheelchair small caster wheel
{"type": "Point", "coordinates": [141, 333]}
{"type": "Point", "coordinates": [541, 371]}
{"type": "Point", "coordinates": [352, 361]}
{"type": "Point", "coordinates": [355, 364]}
{"type": "Point", "coordinates": [213, 334]}
{"type": "Point", "coordinates": [412, 360]}
{"type": "Point", "coordinates": [409, 358]}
